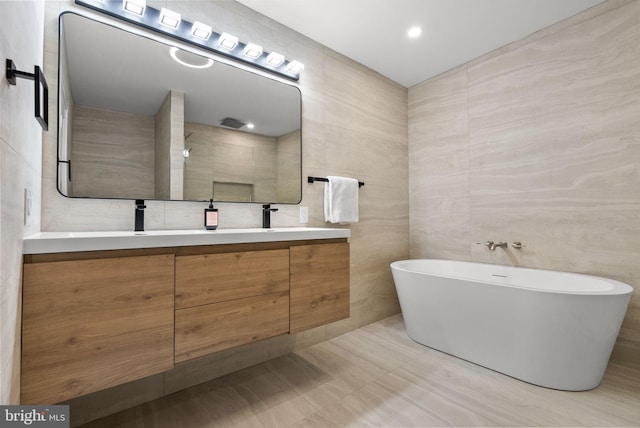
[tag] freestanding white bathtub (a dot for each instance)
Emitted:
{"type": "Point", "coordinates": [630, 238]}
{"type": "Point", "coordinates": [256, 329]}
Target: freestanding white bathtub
{"type": "Point", "coordinates": [552, 329]}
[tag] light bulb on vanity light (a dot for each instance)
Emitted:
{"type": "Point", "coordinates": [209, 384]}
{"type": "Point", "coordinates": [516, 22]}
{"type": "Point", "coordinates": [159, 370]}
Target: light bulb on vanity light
{"type": "Point", "coordinates": [252, 50]}
{"type": "Point", "coordinates": [200, 30]}
{"type": "Point", "coordinates": [295, 67]}
{"type": "Point", "coordinates": [134, 6]}
{"type": "Point", "coordinates": [169, 18]}
{"type": "Point", "coordinates": [228, 41]}
{"type": "Point", "coordinates": [275, 59]}
{"type": "Point", "coordinates": [171, 24]}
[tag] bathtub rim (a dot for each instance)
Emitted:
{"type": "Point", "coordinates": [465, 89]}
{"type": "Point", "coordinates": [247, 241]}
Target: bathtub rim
{"type": "Point", "coordinates": [617, 287]}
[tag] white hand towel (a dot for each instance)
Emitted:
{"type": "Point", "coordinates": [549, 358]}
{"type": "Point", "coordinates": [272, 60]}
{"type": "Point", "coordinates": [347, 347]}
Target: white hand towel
{"type": "Point", "coordinates": [341, 200]}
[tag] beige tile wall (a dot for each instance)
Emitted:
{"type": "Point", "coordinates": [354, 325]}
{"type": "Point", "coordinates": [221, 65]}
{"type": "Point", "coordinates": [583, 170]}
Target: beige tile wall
{"type": "Point", "coordinates": [354, 124]}
{"type": "Point", "coordinates": [289, 166]}
{"type": "Point", "coordinates": [229, 156]}
{"type": "Point", "coordinates": [20, 168]}
{"type": "Point", "coordinates": [169, 143]}
{"type": "Point", "coordinates": [113, 153]}
{"type": "Point", "coordinates": [537, 142]}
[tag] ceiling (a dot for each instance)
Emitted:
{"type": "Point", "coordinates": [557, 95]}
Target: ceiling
{"type": "Point", "coordinates": [373, 32]}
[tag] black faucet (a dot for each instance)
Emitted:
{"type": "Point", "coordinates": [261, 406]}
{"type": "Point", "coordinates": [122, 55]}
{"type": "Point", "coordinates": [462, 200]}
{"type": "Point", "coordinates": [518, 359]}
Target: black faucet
{"type": "Point", "coordinates": [140, 206]}
{"type": "Point", "coordinates": [266, 216]}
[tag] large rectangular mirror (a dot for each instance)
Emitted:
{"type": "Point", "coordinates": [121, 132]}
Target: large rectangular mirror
{"type": "Point", "coordinates": [141, 119]}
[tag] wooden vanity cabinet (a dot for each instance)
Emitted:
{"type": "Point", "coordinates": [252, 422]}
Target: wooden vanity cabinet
{"type": "Point", "coordinates": [203, 330]}
{"type": "Point", "coordinates": [319, 276]}
{"type": "Point", "coordinates": [230, 299]}
{"type": "Point", "coordinates": [211, 278]}
{"type": "Point", "coordinates": [94, 320]}
{"type": "Point", "coordinates": [92, 324]}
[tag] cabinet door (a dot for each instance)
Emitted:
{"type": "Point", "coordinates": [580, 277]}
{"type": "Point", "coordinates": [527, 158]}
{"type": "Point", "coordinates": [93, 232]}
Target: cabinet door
{"type": "Point", "coordinates": [212, 278]}
{"type": "Point", "coordinates": [205, 329]}
{"type": "Point", "coordinates": [93, 324]}
{"type": "Point", "coordinates": [319, 281]}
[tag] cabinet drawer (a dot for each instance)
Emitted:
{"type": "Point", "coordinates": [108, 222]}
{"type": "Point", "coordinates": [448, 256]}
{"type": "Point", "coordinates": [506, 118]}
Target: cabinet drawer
{"type": "Point", "coordinates": [93, 324]}
{"type": "Point", "coordinates": [211, 328]}
{"type": "Point", "coordinates": [213, 278]}
{"type": "Point", "coordinates": [319, 285]}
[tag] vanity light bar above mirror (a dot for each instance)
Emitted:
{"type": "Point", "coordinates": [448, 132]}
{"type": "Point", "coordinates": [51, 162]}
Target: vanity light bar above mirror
{"type": "Point", "coordinates": [170, 23]}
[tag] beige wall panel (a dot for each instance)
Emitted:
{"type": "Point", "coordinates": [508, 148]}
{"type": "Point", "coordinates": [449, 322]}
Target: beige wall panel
{"type": "Point", "coordinates": [169, 144]}
{"type": "Point", "coordinates": [289, 166]}
{"type": "Point", "coordinates": [552, 155]}
{"type": "Point", "coordinates": [113, 154]}
{"type": "Point", "coordinates": [20, 167]}
{"type": "Point", "coordinates": [162, 152]}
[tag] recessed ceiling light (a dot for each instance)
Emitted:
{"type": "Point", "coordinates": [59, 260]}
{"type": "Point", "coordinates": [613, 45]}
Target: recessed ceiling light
{"type": "Point", "coordinates": [250, 125]}
{"type": "Point", "coordinates": [414, 32]}
{"type": "Point", "coordinates": [208, 62]}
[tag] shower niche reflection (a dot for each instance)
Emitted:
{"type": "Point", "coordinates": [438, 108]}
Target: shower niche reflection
{"type": "Point", "coordinates": [141, 119]}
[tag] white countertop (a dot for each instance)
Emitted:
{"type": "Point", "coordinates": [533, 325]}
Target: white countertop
{"type": "Point", "coordinates": [63, 242]}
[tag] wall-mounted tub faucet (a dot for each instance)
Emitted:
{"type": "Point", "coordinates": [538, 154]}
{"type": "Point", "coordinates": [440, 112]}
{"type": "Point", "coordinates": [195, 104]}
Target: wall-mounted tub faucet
{"type": "Point", "coordinates": [493, 245]}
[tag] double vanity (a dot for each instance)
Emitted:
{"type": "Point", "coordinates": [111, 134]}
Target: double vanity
{"type": "Point", "coordinates": [105, 308]}
{"type": "Point", "coordinates": [102, 309]}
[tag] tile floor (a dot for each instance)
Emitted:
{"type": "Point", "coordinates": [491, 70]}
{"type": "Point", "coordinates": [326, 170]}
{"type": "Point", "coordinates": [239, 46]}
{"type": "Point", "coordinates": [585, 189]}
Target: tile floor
{"type": "Point", "coordinates": [377, 377]}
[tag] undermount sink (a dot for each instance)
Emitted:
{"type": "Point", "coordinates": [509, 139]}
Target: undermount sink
{"type": "Point", "coordinates": [60, 242]}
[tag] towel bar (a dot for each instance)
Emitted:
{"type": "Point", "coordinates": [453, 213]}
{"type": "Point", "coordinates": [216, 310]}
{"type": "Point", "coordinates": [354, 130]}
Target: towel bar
{"type": "Point", "coordinates": [326, 180]}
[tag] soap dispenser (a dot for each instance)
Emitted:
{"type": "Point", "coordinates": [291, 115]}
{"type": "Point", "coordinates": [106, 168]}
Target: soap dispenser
{"type": "Point", "coordinates": [211, 217]}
